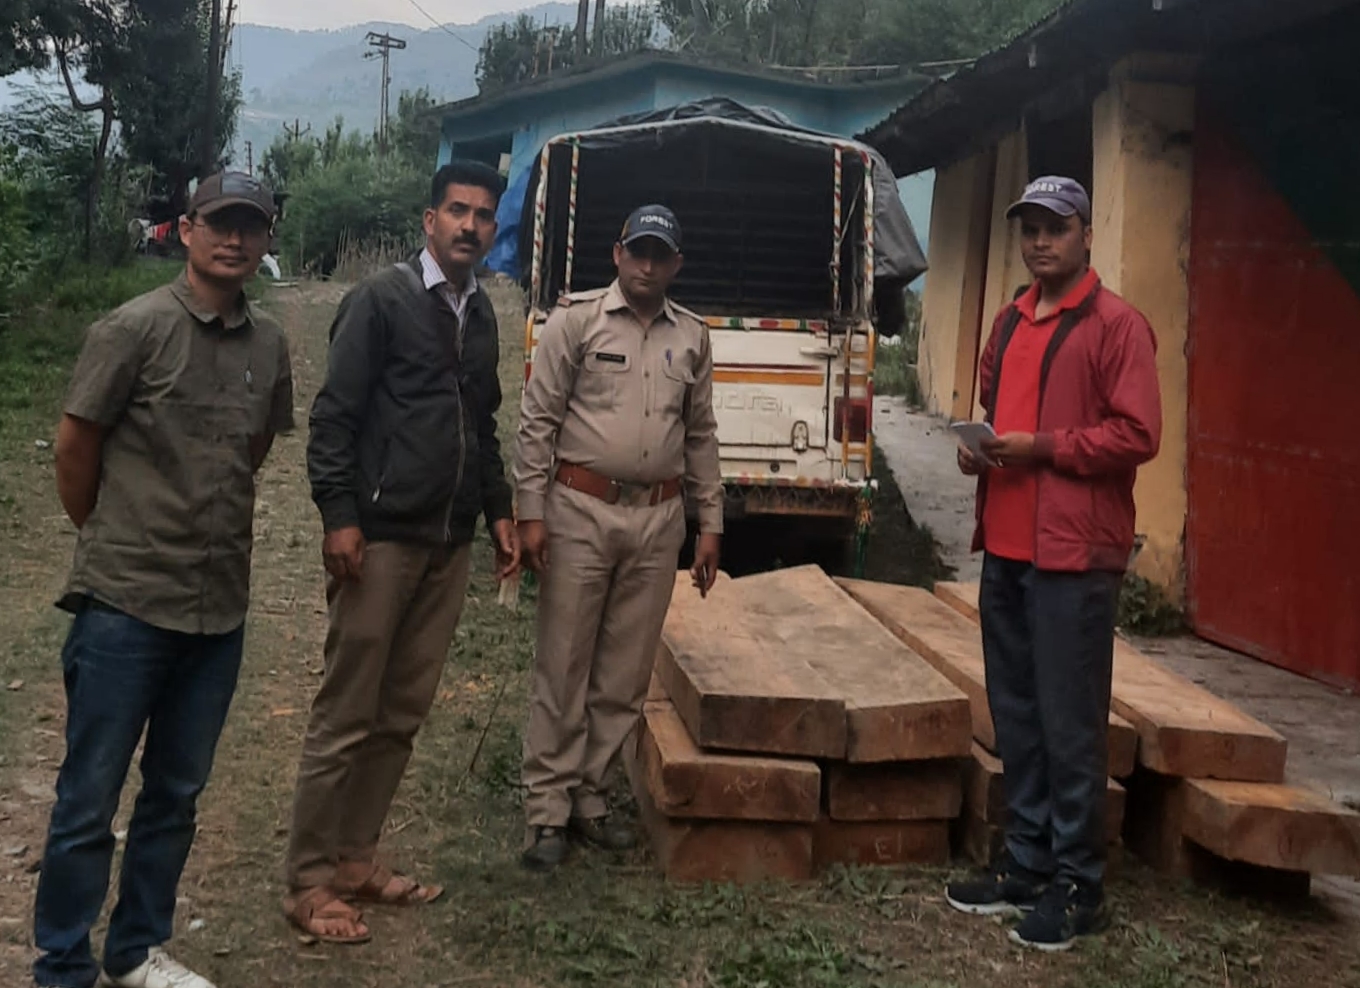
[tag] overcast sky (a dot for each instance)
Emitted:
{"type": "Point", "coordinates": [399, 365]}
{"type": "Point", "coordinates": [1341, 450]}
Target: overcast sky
{"type": "Point", "coordinates": [341, 13]}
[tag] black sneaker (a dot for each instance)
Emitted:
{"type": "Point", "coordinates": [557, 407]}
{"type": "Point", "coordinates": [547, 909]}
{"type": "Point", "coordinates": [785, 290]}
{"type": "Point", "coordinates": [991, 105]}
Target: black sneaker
{"type": "Point", "coordinates": [1006, 890]}
{"type": "Point", "coordinates": [603, 833]}
{"type": "Point", "coordinates": [1067, 910]}
{"type": "Point", "coordinates": [548, 850]}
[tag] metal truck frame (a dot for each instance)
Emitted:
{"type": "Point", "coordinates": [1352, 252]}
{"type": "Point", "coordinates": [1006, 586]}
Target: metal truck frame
{"type": "Point", "coordinates": [793, 394]}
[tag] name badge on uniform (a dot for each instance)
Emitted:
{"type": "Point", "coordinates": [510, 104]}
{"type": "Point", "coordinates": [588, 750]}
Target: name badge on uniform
{"type": "Point", "coordinates": [611, 358]}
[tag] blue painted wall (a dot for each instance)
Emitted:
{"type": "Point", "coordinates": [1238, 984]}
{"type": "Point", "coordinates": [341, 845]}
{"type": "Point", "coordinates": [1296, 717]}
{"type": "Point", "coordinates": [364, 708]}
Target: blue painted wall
{"type": "Point", "coordinates": [522, 126]}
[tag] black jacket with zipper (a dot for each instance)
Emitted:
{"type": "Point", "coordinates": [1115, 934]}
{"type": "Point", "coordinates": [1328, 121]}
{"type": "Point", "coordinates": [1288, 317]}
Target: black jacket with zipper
{"type": "Point", "coordinates": [403, 433]}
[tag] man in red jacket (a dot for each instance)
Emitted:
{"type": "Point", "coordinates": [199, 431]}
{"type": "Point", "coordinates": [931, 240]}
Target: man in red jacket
{"type": "Point", "coordinates": [1069, 383]}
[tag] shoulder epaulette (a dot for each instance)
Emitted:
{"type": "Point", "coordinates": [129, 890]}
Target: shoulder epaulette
{"type": "Point", "coordinates": [688, 312]}
{"type": "Point", "coordinates": [567, 299]}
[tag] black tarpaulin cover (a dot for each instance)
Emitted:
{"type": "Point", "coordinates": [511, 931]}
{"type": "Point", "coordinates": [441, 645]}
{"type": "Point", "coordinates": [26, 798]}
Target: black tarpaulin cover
{"type": "Point", "coordinates": [898, 257]}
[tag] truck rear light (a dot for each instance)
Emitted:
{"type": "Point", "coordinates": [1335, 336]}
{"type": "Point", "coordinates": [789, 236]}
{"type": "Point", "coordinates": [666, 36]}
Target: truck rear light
{"type": "Point", "coordinates": [801, 437]}
{"type": "Point", "coordinates": [860, 419]}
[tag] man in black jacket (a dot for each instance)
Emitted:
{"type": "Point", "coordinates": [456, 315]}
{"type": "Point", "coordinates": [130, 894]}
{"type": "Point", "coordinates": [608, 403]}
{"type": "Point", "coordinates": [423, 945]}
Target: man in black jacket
{"type": "Point", "coordinates": [403, 457]}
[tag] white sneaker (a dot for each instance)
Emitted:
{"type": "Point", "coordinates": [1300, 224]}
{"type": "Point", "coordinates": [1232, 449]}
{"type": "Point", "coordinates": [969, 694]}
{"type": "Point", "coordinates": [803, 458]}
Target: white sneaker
{"type": "Point", "coordinates": [159, 970]}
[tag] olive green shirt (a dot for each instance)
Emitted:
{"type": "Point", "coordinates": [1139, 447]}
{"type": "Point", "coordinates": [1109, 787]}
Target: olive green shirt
{"type": "Point", "coordinates": [181, 393]}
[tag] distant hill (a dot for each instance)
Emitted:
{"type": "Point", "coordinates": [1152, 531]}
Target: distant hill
{"type": "Point", "coordinates": [311, 77]}
{"type": "Point", "coordinates": [315, 76]}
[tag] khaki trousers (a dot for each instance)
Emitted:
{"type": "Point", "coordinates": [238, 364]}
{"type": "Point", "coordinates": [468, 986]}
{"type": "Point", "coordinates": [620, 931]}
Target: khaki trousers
{"type": "Point", "coordinates": [611, 572]}
{"type": "Point", "coordinates": [389, 638]}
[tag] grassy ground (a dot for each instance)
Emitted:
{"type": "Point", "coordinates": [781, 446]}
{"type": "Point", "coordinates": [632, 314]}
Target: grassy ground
{"type": "Point", "coordinates": [598, 922]}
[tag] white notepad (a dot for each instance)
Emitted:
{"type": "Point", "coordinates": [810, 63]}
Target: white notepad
{"type": "Point", "coordinates": [971, 434]}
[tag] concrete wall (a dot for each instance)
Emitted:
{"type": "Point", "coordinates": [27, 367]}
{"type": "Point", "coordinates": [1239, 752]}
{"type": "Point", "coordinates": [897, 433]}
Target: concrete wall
{"type": "Point", "coordinates": [1141, 128]}
{"type": "Point", "coordinates": [952, 315]}
{"type": "Point", "coordinates": [1005, 266]}
{"type": "Point", "coordinates": [1142, 135]}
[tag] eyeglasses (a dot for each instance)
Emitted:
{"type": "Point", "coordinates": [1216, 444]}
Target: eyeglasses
{"type": "Point", "coordinates": [228, 221]}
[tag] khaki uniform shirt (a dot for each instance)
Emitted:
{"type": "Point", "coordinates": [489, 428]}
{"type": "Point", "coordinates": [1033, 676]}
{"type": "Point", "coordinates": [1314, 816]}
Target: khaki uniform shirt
{"type": "Point", "coordinates": [631, 402]}
{"type": "Point", "coordinates": [182, 393]}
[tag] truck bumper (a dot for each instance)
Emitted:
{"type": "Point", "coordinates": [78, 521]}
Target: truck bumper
{"type": "Point", "coordinates": [744, 500]}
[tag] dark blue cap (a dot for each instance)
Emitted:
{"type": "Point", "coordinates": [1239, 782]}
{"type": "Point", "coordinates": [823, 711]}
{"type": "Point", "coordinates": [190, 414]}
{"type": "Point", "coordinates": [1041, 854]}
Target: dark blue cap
{"type": "Point", "coordinates": [652, 221]}
{"type": "Point", "coordinates": [1064, 196]}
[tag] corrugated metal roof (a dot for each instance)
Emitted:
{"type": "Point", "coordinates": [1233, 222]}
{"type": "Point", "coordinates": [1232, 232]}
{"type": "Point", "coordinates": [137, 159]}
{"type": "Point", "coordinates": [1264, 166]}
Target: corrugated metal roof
{"type": "Point", "coordinates": [1076, 43]}
{"type": "Point", "coordinates": [595, 72]}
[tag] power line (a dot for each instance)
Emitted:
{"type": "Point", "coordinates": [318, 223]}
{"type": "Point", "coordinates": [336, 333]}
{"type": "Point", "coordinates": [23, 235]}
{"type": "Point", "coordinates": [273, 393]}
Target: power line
{"type": "Point", "coordinates": [444, 27]}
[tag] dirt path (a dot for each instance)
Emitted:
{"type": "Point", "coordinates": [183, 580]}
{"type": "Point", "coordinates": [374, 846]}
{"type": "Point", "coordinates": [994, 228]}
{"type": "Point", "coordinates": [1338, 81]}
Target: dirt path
{"type": "Point", "coordinates": [598, 922]}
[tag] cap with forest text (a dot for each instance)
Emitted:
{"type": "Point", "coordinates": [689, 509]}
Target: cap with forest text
{"type": "Point", "coordinates": [652, 221]}
{"type": "Point", "coordinates": [1057, 194]}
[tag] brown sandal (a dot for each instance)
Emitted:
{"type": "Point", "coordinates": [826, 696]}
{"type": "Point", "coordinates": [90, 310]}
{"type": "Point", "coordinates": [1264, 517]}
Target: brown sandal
{"type": "Point", "coordinates": [311, 909]}
{"type": "Point", "coordinates": [385, 887]}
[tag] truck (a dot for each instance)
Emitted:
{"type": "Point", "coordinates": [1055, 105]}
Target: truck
{"type": "Point", "coordinates": [797, 254]}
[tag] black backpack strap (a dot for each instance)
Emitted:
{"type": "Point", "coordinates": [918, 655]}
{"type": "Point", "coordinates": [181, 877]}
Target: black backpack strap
{"type": "Point", "coordinates": [1007, 330]}
{"type": "Point", "coordinates": [1068, 323]}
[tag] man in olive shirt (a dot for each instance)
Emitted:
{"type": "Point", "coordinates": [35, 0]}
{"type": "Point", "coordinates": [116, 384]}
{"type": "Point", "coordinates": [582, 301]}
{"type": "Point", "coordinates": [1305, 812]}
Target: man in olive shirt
{"type": "Point", "coordinates": [617, 422]}
{"type": "Point", "coordinates": [174, 405]}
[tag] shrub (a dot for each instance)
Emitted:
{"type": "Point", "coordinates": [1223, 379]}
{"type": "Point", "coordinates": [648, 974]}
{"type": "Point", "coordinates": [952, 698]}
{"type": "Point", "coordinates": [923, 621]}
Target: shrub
{"type": "Point", "coordinates": [1145, 609]}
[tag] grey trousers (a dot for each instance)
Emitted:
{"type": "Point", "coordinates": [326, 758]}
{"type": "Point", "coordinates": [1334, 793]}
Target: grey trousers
{"type": "Point", "coordinates": [1048, 641]}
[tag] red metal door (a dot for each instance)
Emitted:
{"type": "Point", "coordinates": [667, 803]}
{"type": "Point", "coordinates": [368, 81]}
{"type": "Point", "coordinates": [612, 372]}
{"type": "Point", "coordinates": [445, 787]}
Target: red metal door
{"type": "Point", "coordinates": [1273, 534]}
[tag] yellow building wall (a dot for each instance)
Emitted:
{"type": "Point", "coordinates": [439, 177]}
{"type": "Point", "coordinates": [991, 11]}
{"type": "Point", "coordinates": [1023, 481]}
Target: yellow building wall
{"type": "Point", "coordinates": [951, 306]}
{"type": "Point", "coordinates": [1141, 214]}
{"type": "Point", "coordinates": [1005, 265]}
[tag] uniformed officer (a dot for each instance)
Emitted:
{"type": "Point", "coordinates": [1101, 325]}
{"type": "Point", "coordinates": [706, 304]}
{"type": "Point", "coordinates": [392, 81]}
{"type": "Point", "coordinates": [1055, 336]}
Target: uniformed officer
{"type": "Point", "coordinates": [617, 422]}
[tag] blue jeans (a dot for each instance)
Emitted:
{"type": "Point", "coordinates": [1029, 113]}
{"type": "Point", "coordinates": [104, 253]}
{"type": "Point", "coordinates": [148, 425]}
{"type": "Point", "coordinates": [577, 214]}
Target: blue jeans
{"type": "Point", "coordinates": [122, 676]}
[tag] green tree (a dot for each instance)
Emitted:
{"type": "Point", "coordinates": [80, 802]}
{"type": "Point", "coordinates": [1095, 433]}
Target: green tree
{"type": "Point", "coordinates": [22, 33]}
{"type": "Point", "coordinates": [413, 134]}
{"type": "Point", "coordinates": [343, 194]}
{"type": "Point", "coordinates": [845, 32]}
{"type": "Point", "coordinates": [523, 49]}
{"type": "Point", "coordinates": [288, 161]}
{"type": "Point", "coordinates": [159, 89]}
{"type": "Point", "coordinates": [45, 169]}
{"type": "Point", "coordinates": [147, 61]}
{"type": "Point", "coordinates": [520, 50]}
{"type": "Point", "coordinates": [916, 31]}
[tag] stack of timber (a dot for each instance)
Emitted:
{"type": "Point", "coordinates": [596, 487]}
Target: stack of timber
{"type": "Point", "coordinates": [1207, 798]}
{"type": "Point", "coordinates": [953, 645]}
{"type": "Point", "coordinates": [787, 731]}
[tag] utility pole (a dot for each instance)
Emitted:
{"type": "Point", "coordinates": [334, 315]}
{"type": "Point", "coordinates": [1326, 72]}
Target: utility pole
{"type": "Point", "coordinates": [227, 24]}
{"type": "Point", "coordinates": [599, 28]}
{"type": "Point", "coordinates": [582, 25]}
{"type": "Point", "coordinates": [295, 132]}
{"type": "Point", "coordinates": [383, 45]}
{"type": "Point", "coordinates": [250, 158]}
{"type": "Point", "coordinates": [208, 151]}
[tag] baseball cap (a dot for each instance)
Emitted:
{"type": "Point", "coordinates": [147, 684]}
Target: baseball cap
{"type": "Point", "coordinates": [231, 189]}
{"type": "Point", "coordinates": [1064, 196]}
{"type": "Point", "coordinates": [652, 221]}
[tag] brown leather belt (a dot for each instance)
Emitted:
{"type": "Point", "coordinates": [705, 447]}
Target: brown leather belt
{"type": "Point", "coordinates": [616, 492]}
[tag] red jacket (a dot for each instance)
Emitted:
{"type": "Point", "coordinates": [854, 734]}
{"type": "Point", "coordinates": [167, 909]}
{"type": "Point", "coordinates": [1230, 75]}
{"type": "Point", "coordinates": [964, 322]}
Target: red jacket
{"type": "Point", "coordinates": [1100, 416]}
